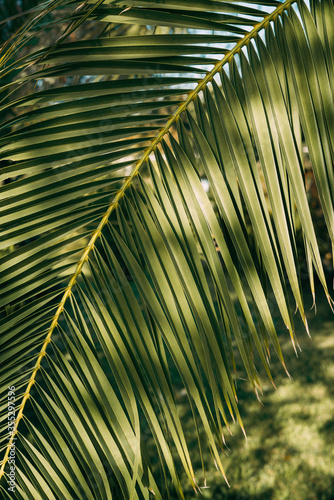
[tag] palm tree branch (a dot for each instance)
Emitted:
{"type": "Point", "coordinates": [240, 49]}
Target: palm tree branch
{"type": "Point", "coordinates": [128, 182]}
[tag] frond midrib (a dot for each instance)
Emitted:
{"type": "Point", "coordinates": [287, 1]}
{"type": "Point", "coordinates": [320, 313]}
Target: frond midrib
{"type": "Point", "coordinates": [96, 234]}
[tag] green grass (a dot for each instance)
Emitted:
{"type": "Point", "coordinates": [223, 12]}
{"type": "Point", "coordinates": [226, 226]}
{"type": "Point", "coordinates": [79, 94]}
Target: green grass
{"type": "Point", "coordinates": [289, 453]}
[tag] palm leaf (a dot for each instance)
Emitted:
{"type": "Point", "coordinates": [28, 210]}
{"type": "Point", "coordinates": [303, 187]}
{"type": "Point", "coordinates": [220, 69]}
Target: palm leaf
{"type": "Point", "coordinates": [123, 280]}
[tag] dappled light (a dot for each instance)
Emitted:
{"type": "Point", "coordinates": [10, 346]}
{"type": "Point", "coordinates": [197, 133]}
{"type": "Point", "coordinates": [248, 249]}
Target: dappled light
{"type": "Point", "coordinates": [166, 250]}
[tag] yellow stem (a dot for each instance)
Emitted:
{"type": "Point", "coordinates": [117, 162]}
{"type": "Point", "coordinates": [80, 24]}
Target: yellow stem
{"type": "Point", "coordinates": [112, 206]}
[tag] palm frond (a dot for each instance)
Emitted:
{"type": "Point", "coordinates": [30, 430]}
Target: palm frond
{"type": "Point", "coordinates": [124, 280]}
